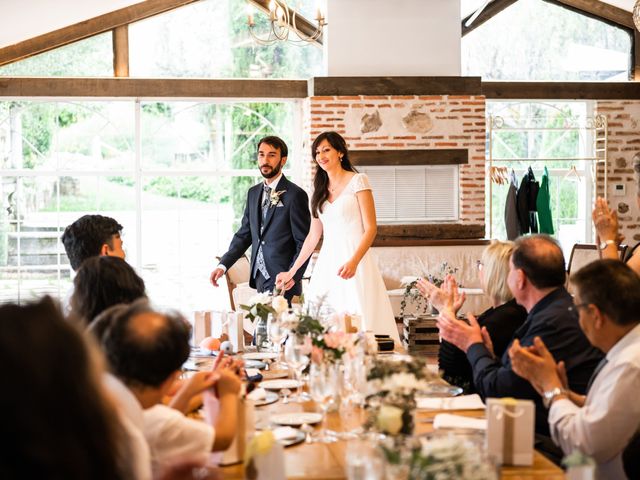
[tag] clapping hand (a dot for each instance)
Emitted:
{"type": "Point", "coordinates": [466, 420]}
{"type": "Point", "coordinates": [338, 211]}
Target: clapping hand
{"type": "Point", "coordinates": [284, 280]}
{"type": "Point", "coordinates": [445, 297]}
{"type": "Point", "coordinates": [459, 333]}
{"type": "Point", "coordinates": [536, 365]}
{"type": "Point", "coordinates": [605, 221]}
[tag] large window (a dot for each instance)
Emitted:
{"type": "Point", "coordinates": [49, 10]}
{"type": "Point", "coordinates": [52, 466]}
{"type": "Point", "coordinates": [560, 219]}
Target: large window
{"type": "Point", "coordinates": [174, 174]}
{"type": "Point", "coordinates": [558, 136]}
{"type": "Point", "coordinates": [536, 40]}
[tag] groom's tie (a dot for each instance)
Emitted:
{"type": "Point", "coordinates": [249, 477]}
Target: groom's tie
{"type": "Point", "coordinates": [260, 266]}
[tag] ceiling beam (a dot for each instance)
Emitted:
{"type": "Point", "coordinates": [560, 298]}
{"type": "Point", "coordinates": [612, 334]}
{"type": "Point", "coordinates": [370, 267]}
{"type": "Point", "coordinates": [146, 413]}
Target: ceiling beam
{"type": "Point", "coordinates": [561, 90]}
{"type": "Point", "coordinates": [304, 26]}
{"type": "Point", "coordinates": [490, 11]}
{"type": "Point", "coordinates": [87, 28]}
{"type": "Point", "coordinates": [598, 10]}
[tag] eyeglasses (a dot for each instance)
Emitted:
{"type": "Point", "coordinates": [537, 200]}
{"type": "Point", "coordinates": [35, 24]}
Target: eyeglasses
{"type": "Point", "coordinates": [577, 307]}
{"type": "Point", "coordinates": [479, 264]}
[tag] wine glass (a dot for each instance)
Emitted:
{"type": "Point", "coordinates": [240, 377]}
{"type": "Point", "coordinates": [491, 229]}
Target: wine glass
{"type": "Point", "coordinates": [296, 353]}
{"type": "Point", "coordinates": [277, 333]}
{"type": "Point", "coordinates": [323, 385]}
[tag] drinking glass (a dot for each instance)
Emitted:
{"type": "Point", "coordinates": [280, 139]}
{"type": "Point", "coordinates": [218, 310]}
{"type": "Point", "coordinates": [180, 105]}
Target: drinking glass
{"type": "Point", "coordinates": [323, 386]}
{"type": "Point", "coordinates": [277, 334]}
{"type": "Point", "coordinates": [364, 461]}
{"type": "Point", "coordinates": [296, 354]}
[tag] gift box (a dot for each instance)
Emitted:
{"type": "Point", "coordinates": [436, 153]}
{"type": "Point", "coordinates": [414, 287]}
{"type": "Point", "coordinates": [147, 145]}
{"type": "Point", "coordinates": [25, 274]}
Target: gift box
{"type": "Point", "coordinates": [510, 430]}
{"type": "Point", "coordinates": [246, 429]}
{"type": "Point", "coordinates": [236, 331]}
{"type": "Point", "coordinates": [201, 326]}
{"type": "Point", "coordinates": [265, 458]}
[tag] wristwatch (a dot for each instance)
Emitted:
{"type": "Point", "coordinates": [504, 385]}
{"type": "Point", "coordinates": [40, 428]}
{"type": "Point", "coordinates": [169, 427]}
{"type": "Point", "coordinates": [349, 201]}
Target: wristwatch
{"type": "Point", "coordinates": [549, 395]}
{"type": "Point", "coordinates": [606, 243]}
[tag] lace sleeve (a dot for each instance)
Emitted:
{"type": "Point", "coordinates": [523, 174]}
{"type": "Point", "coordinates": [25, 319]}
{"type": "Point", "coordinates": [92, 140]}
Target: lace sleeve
{"type": "Point", "coordinates": [361, 182]}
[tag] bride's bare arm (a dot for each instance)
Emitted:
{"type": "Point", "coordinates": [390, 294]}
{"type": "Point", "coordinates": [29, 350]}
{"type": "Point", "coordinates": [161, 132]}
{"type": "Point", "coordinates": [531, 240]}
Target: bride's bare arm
{"type": "Point", "coordinates": [368, 213]}
{"type": "Point", "coordinates": [309, 245]}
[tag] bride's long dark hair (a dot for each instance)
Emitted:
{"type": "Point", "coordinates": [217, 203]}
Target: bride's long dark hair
{"type": "Point", "coordinates": [321, 180]}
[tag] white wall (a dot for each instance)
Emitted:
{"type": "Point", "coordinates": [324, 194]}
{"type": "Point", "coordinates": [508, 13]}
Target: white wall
{"type": "Point", "coordinates": [392, 37]}
{"type": "Point", "coordinates": [23, 19]}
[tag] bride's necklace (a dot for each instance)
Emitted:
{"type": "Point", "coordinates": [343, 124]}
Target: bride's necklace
{"type": "Point", "coordinates": [335, 187]}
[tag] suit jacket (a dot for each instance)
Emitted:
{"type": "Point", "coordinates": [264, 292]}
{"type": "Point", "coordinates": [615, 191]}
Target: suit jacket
{"type": "Point", "coordinates": [285, 228]}
{"type": "Point", "coordinates": [527, 197]}
{"type": "Point", "coordinates": [543, 203]}
{"type": "Point", "coordinates": [558, 328]}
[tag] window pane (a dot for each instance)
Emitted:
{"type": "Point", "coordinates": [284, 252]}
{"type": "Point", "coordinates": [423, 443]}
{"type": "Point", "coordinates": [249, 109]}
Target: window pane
{"type": "Point", "coordinates": [210, 39]}
{"type": "Point", "coordinates": [92, 57]}
{"type": "Point", "coordinates": [536, 40]}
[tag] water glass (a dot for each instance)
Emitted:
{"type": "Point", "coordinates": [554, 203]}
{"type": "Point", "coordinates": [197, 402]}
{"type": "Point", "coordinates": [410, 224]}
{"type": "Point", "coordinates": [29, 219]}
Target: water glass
{"type": "Point", "coordinates": [296, 354]}
{"type": "Point", "coordinates": [324, 388]}
{"type": "Point", "coordinates": [364, 461]}
{"type": "Point", "coordinates": [277, 334]}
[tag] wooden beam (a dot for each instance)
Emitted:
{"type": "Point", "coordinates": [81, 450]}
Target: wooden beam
{"type": "Point", "coordinates": [490, 11]}
{"type": "Point", "coordinates": [561, 90]}
{"type": "Point", "coordinates": [87, 28]}
{"type": "Point", "coordinates": [442, 156]}
{"type": "Point", "coordinates": [121, 51]}
{"type": "Point", "coordinates": [422, 234]}
{"type": "Point", "coordinates": [598, 10]}
{"type": "Point", "coordinates": [327, 86]}
{"type": "Point", "coordinates": [304, 26]}
{"type": "Point", "coordinates": [635, 56]}
{"type": "Point", "coordinates": [155, 88]}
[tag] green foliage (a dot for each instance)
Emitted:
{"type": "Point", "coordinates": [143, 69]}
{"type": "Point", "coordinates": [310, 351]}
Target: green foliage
{"type": "Point", "coordinates": [158, 109]}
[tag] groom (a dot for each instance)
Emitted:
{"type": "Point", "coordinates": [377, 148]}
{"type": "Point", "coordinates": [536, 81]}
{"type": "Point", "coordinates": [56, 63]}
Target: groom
{"type": "Point", "coordinates": [275, 224]}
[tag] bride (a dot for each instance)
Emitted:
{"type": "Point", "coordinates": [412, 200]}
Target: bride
{"type": "Point", "coordinates": [345, 274]}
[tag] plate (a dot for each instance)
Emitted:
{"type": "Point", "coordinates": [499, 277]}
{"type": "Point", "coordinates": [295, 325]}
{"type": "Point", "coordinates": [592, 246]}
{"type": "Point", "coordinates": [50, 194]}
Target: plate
{"type": "Point", "coordinates": [440, 390]}
{"type": "Point", "coordinates": [255, 364]}
{"type": "Point", "coordinates": [289, 442]}
{"type": "Point", "coordinates": [260, 356]}
{"type": "Point", "coordinates": [280, 384]}
{"type": "Point", "coordinates": [273, 374]}
{"type": "Point", "coordinates": [270, 397]}
{"type": "Point", "coordinates": [297, 418]}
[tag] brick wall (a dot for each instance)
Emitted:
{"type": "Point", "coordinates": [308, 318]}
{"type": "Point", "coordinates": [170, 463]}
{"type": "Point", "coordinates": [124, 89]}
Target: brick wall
{"type": "Point", "coordinates": [623, 145]}
{"type": "Point", "coordinates": [408, 122]}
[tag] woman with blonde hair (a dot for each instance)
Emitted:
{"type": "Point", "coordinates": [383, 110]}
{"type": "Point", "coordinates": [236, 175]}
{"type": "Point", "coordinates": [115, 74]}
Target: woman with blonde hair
{"type": "Point", "coordinates": [499, 322]}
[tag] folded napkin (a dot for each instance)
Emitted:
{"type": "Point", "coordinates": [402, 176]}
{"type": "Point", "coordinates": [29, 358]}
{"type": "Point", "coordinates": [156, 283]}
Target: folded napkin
{"type": "Point", "coordinates": [257, 394]}
{"type": "Point", "coordinates": [285, 433]}
{"type": "Point", "coordinates": [464, 402]}
{"type": "Point", "coordinates": [447, 420]}
{"type": "Point", "coordinates": [252, 372]}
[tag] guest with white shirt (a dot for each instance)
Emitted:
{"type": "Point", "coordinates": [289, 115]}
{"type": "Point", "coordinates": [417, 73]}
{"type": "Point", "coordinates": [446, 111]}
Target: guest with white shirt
{"type": "Point", "coordinates": [145, 350]}
{"type": "Point", "coordinates": [602, 422]}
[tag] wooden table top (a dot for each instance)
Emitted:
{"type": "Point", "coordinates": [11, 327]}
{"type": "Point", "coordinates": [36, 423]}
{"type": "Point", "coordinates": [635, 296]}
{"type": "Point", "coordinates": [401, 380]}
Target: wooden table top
{"type": "Point", "coordinates": [320, 461]}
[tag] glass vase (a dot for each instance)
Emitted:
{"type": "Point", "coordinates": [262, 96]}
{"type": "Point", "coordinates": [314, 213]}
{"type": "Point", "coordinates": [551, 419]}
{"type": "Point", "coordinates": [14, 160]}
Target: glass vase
{"type": "Point", "coordinates": [261, 335]}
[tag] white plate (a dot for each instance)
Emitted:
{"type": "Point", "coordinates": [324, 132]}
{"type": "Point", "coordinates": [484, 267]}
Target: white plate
{"type": "Point", "coordinates": [270, 397]}
{"type": "Point", "coordinates": [280, 384]}
{"type": "Point", "coordinates": [296, 418]}
{"type": "Point", "coordinates": [260, 356]}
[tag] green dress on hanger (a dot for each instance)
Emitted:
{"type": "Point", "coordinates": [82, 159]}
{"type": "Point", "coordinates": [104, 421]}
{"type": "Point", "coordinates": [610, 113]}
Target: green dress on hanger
{"type": "Point", "coordinates": [543, 204]}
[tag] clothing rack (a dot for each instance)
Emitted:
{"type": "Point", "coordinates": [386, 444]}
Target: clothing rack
{"type": "Point", "coordinates": [597, 126]}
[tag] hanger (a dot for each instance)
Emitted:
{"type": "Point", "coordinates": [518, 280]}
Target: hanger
{"type": "Point", "coordinates": [499, 175]}
{"type": "Point", "coordinates": [572, 171]}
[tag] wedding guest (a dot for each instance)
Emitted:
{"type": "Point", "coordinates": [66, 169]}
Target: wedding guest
{"type": "Point", "coordinates": [90, 236]}
{"type": "Point", "coordinates": [499, 322]}
{"type": "Point", "coordinates": [602, 423]}
{"type": "Point", "coordinates": [536, 278]}
{"type": "Point", "coordinates": [145, 350]}
{"type": "Point", "coordinates": [57, 421]}
{"type": "Point", "coordinates": [100, 283]}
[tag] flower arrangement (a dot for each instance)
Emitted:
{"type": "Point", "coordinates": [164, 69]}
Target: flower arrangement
{"type": "Point", "coordinates": [274, 197]}
{"type": "Point", "coordinates": [437, 458]}
{"type": "Point", "coordinates": [392, 387]}
{"type": "Point", "coordinates": [413, 295]}
{"type": "Point", "coordinates": [263, 304]}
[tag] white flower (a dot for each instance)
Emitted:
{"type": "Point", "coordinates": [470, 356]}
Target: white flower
{"type": "Point", "coordinates": [279, 304]}
{"type": "Point", "coordinates": [389, 419]}
{"type": "Point", "coordinates": [403, 382]}
{"type": "Point", "coordinates": [262, 298]}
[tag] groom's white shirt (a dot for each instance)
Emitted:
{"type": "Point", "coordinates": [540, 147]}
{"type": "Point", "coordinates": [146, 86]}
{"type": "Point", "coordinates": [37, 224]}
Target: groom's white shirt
{"type": "Point", "coordinates": [272, 183]}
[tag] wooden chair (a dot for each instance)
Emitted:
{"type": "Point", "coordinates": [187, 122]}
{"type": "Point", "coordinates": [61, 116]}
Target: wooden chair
{"type": "Point", "coordinates": [239, 273]}
{"type": "Point", "coordinates": [584, 253]}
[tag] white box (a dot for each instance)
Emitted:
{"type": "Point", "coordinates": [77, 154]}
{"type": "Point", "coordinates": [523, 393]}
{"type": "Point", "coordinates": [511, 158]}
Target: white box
{"type": "Point", "coordinates": [510, 430]}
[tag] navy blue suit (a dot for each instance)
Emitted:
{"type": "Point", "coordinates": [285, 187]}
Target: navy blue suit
{"type": "Point", "coordinates": [285, 228]}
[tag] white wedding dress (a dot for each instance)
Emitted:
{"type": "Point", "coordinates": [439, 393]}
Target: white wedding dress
{"type": "Point", "coordinates": [364, 293]}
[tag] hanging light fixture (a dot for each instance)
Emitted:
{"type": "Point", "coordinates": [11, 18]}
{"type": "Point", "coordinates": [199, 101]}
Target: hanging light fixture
{"type": "Point", "coordinates": [283, 20]}
{"type": "Point", "coordinates": [636, 14]}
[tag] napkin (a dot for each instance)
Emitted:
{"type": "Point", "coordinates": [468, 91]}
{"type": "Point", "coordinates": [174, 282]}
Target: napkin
{"type": "Point", "coordinates": [252, 372]}
{"type": "Point", "coordinates": [446, 420]}
{"type": "Point", "coordinates": [257, 394]}
{"type": "Point", "coordinates": [285, 433]}
{"type": "Point", "coordinates": [464, 402]}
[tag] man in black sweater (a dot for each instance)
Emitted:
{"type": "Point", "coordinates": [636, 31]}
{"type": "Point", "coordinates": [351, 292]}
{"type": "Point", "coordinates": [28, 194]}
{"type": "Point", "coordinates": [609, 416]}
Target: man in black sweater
{"type": "Point", "coordinates": [536, 278]}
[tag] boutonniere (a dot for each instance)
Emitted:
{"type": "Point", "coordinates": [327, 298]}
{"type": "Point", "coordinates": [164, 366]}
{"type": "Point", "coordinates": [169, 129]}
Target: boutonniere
{"type": "Point", "coordinates": [274, 197]}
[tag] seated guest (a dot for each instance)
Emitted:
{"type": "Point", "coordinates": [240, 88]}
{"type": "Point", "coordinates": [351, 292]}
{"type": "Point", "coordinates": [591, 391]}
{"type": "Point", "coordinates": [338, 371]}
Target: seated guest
{"type": "Point", "coordinates": [92, 236]}
{"type": "Point", "coordinates": [536, 278]}
{"type": "Point", "coordinates": [500, 321]}
{"type": "Point", "coordinates": [57, 421]}
{"type": "Point", "coordinates": [145, 350]}
{"type": "Point", "coordinates": [100, 283]}
{"type": "Point", "coordinates": [603, 423]}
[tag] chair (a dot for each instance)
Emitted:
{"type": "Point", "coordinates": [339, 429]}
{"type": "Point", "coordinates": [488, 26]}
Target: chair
{"type": "Point", "coordinates": [237, 275]}
{"type": "Point", "coordinates": [585, 253]}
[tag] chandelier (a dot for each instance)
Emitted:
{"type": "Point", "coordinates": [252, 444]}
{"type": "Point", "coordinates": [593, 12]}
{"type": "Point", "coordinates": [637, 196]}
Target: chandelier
{"type": "Point", "coordinates": [283, 19]}
{"type": "Point", "coordinates": [636, 14]}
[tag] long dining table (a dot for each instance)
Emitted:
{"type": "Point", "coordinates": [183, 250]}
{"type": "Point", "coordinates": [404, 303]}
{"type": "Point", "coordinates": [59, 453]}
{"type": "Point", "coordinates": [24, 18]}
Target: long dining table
{"type": "Point", "coordinates": [327, 461]}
